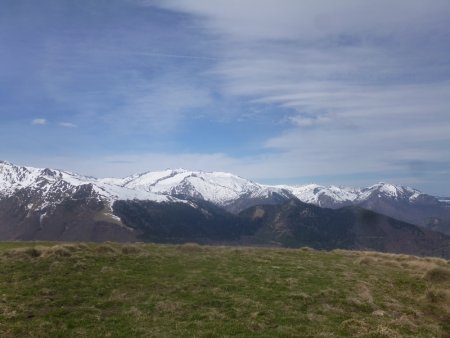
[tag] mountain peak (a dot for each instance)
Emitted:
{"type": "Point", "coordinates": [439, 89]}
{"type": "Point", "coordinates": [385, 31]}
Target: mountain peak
{"type": "Point", "coordinates": [392, 191]}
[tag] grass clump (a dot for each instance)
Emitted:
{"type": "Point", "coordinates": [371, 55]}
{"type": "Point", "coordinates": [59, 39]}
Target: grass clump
{"type": "Point", "coordinates": [438, 274]}
{"type": "Point", "coordinates": [105, 249]}
{"type": "Point", "coordinates": [23, 253]}
{"type": "Point", "coordinates": [438, 296]}
{"type": "Point", "coordinates": [190, 247]}
{"type": "Point", "coordinates": [60, 251]}
{"type": "Point", "coordinates": [365, 260]}
{"type": "Point", "coordinates": [130, 249]}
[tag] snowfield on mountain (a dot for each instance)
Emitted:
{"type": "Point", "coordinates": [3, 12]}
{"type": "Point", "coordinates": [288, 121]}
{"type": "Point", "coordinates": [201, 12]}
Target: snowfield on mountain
{"type": "Point", "coordinates": [217, 187]}
{"type": "Point", "coordinates": [48, 187]}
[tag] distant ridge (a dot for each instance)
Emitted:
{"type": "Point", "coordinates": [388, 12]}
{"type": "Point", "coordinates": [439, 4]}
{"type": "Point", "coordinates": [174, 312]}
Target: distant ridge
{"type": "Point", "coordinates": [42, 190]}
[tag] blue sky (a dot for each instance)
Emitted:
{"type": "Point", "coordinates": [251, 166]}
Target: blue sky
{"type": "Point", "coordinates": [279, 91]}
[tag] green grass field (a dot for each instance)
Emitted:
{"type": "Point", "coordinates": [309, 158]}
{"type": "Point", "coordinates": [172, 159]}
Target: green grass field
{"type": "Point", "coordinates": [146, 290]}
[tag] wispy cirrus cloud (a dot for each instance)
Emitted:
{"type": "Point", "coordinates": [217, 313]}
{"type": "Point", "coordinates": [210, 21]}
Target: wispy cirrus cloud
{"type": "Point", "coordinates": [159, 106]}
{"type": "Point", "coordinates": [267, 89]}
{"type": "Point", "coordinates": [364, 84]}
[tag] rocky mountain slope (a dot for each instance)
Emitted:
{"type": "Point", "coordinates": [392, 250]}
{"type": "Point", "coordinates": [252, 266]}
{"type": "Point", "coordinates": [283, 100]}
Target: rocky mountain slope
{"type": "Point", "coordinates": [235, 194]}
{"type": "Point", "coordinates": [58, 205]}
{"type": "Point", "coordinates": [403, 203]}
{"type": "Point", "coordinates": [295, 223]}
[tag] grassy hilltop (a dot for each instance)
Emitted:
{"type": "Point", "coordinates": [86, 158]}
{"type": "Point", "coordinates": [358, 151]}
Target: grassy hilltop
{"type": "Point", "coordinates": [113, 290]}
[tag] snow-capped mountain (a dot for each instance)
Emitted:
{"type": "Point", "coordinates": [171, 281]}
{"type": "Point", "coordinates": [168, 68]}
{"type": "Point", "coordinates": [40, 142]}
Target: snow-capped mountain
{"type": "Point", "coordinates": [336, 197]}
{"type": "Point", "coordinates": [55, 204]}
{"type": "Point", "coordinates": [52, 204]}
{"type": "Point", "coordinates": [220, 188]}
{"type": "Point", "coordinates": [403, 203]}
{"type": "Point", "coordinates": [223, 189]}
{"type": "Point", "coordinates": [53, 186]}
{"type": "Point", "coordinates": [41, 190]}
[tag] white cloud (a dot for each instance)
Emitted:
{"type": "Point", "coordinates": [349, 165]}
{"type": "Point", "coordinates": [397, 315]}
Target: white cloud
{"type": "Point", "coordinates": [309, 121]}
{"type": "Point", "coordinates": [159, 105]}
{"type": "Point", "coordinates": [372, 78]}
{"type": "Point", "coordinates": [67, 125]}
{"type": "Point", "coordinates": [39, 122]}
{"type": "Point", "coordinates": [364, 84]}
{"type": "Point", "coordinates": [308, 19]}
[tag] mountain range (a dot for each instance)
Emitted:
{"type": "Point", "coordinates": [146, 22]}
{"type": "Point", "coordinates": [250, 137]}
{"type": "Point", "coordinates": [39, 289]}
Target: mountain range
{"type": "Point", "coordinates": [179, 205]}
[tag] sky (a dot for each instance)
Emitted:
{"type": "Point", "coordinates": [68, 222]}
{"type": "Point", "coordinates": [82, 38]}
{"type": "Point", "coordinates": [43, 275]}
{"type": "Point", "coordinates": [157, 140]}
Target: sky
{"type": "Point", "coordinates": [348, 92]}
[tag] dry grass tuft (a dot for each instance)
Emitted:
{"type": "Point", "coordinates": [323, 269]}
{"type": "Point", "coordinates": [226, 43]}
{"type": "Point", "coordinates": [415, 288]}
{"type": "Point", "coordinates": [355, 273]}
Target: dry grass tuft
{"type": "Point", "coordinates": [391, 263]}
{"type": "Point", "coordinates": [23, 253]}
{"type": "Point", "coordinates": [41, 251]}
{"type": "Point", "coordinates": [327, 293]}
{"type": "Point", "coordinates": [136, 313]}
{"type": "Point", "coordinates": [83, 246]}
{"type": "Point", "coordinates": [378, 313]}
{"type": "Point", "coordinates": [55, 251]}
{"type": "Point", "coordinates": [438, 296]}
{"type": "Point", "coordinates": [190, 247]}
{"type": "Point", "coordinates": [363, 293]}
{"type": "Point", "coordinates": [301, 297]}
{"type": "Point", "coordinates": [168, 307]}
{"type": "Point", "coordinates": [418, 265]}
{"type": "Point", "coordinates": [407, 321]}
{"type": "Point", "coordinates": [365, 260]}
{"type": "Point", "coordinates": [340, 251]}
{"type": "Point", "coordinates": [54, 266]}
{"type": "Point", "coordinates": [131, 249]}
{"type": "Point", "coordinates": [437, 260]}
{"type": "Point", "coordinates": [384, 332]}
{"type": "Point", "coordinates": [106, 269]}
{"type": "Point", "coordinates": [307, 249]}
{"type": "Point", "coordinates": [105, 249]}
{"type": "Point", "coordinates": [60, 251]}
{"type": "Point", "coordinates": [71, 247]}
{"type": "Point", "coordinates": [355, 327]}
{"type": "Point", "coordinates": [438, 275]}
{"type": "Point", "coordinates": [80, 265]}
